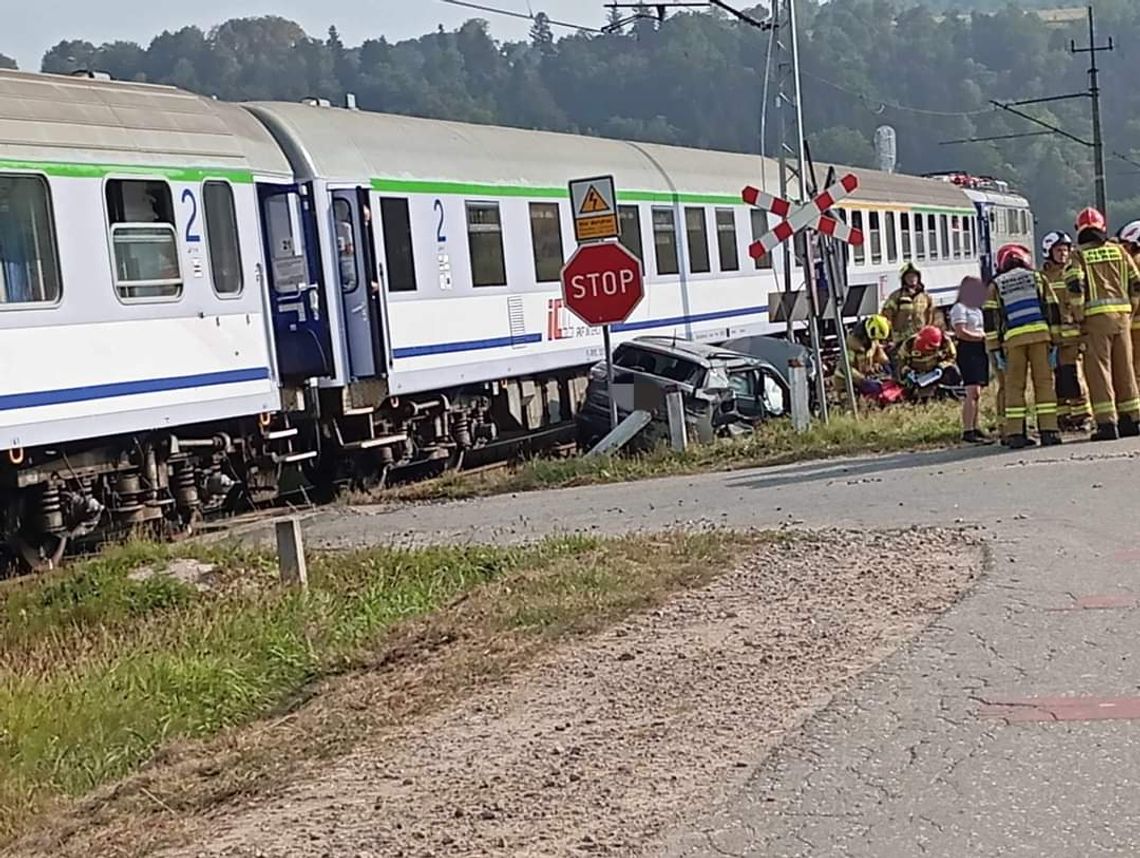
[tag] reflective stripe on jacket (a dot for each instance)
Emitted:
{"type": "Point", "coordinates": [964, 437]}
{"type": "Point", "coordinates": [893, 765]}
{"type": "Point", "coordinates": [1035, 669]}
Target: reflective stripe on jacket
{"type": "Point", "coordinates": [1103, 279]}
{"type": "Point", "coordinates": [907, 312]}
{"type": "Point", "coordinates": [1055, 275]}
{"type": "Point", "coordinates": [1020, 309]}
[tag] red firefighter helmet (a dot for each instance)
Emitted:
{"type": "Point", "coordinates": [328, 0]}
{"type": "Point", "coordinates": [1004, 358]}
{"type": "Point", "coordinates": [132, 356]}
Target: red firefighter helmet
{"type": "Point", "coordinates": [1091, 218]}
{"type": "Point", "coordinates": [1011, 256]}
{"type": "Point", "coordinates": [929, 339]}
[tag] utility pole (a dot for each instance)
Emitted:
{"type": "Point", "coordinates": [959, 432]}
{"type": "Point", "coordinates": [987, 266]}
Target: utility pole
{"type": "Point", "coordinates": [1094, 92]}
{"type": "Point", "coordinates": [794, 184]}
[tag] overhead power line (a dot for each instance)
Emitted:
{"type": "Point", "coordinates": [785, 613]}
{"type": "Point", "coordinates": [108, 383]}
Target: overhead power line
{"type": "Point", "coordinates": [868, 101]}
{"type": "Point", "coordinates": [525, 16]}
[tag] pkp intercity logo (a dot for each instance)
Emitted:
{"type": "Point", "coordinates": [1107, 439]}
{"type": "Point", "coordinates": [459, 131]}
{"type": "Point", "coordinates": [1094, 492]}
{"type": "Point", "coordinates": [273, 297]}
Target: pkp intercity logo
{"type": "Point", "coordinates": [561, 324]}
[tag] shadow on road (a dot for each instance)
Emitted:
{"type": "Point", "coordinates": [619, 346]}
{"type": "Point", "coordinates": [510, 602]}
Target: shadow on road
{"type": "Point", "coordinates": [847, 469]}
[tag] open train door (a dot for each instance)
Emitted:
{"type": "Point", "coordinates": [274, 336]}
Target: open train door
{"type": "Point", "coordinates": [301, 325]}
{"type": "Point", "coordinates": [986, 247]}
{"type": "Point", "coordinates": [359, 282]}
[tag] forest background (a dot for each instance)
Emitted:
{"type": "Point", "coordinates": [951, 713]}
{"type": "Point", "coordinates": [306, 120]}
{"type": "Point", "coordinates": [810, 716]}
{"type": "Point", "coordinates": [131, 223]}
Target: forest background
{"type": "Point", "coordinates": [928, 70]}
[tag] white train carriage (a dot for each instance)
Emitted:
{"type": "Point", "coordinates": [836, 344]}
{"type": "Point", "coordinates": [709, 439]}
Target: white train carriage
{"type": "Point", "coordinates": [178, 276]}
{"type": "Point", "coordinates": [447, 242]}
{"type": "Point", "coordinates": [130, 298]}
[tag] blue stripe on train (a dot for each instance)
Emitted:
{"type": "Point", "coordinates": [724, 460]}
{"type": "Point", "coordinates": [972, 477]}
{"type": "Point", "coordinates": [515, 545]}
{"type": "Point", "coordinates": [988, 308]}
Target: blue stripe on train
{"type": "Point", "coordinates": [507, 342]}
{"type": "Point", "coordinates": [35, 399]}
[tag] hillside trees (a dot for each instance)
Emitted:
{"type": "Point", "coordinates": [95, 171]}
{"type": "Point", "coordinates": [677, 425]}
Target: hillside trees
{"type": "Point", "coordinates": [697, 80]}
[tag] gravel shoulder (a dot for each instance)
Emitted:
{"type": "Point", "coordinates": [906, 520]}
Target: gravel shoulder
{"type": "Point", "coordinates": [607, 743]}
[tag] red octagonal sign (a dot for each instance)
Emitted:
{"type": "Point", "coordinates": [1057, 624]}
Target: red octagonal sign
{"type": "Point", "coordinates": [602, 284]}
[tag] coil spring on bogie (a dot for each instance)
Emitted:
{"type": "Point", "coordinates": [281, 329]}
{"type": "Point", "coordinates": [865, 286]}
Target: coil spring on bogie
{"type": "Point", "coordinates": [128, 507]}
{"type": "Point", "coordinates": [461, 429]}
{"type": "Point", "coordinates": [51, 509]}
{"type": "Point", "coordinates": [186, 486]}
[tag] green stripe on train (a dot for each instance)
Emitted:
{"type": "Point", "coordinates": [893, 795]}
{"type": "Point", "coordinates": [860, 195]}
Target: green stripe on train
{"type": "Point", "coordinates": [474, 189]}
{"type": "Point", "coordinates": [100, 171]}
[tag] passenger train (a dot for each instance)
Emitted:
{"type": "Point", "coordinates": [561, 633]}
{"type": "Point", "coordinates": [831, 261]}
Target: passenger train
{"type": "Point", "coordinates": [199, 300]}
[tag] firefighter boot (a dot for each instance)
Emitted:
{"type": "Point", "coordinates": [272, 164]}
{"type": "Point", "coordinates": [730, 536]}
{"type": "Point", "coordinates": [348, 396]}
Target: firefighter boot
{"type": "Point", "coordinates": [1050, 438]}
{"type": "Point", "coordinates": [1020, 442]}
{"type": "Point", "coordinates": [1128, 426]}
{"type": "Point", "coordinates": [1105, 432]}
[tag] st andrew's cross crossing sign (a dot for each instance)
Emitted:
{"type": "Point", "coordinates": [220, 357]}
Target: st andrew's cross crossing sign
{"type": "Point", "coordinates": [810, 214]}
{"type": "Point", "coordinates": [602, 283]}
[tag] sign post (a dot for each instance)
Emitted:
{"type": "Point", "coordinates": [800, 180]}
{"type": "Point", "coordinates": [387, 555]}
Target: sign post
{"type": "Point", "coordinates": [602, 282]}
{"type": "Point", "coordinates": [607, 344]}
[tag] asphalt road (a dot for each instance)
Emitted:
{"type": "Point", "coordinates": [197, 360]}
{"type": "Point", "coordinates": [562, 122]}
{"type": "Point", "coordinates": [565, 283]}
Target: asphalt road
{"type": "Point", "coordinates": [946, 748]}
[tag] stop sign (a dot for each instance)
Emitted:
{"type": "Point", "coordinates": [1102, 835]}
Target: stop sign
{"type": "Point", "coordinates": [601, 284]}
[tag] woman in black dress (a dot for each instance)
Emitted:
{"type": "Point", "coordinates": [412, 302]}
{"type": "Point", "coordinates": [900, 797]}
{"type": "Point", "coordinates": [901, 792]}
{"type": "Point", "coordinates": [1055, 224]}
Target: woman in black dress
{"type": "Point", "coordinates": [973, 362]}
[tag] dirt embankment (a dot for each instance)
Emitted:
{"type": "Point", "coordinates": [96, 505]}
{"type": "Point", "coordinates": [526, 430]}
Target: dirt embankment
{"type": "Point", "coordinates": [605, 743]}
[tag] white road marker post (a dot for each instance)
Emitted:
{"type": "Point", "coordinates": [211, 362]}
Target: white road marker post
{"type": "Point", "coordinates": [291, 554]}
{"type": "Point", "coordinates": [801, 401]}
{"type": "Point", "coordinates": [675, 409]}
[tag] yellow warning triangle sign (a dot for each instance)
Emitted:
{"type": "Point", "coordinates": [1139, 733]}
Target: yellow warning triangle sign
{"type": "Point", "coordinates": [594, 202]}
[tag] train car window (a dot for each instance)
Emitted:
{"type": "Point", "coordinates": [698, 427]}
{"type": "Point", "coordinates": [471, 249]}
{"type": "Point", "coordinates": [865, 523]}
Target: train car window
{"type": "Point", "coordinates": [697, 232]}
{"type": "Point", "coordinates": [944, 232]}
{"type": "Point", "coordinates": [485, 239]}
{"type": "Point", "coordinates": [932, 235]}
{"type": "Point", "coordinates": [876, 236]}
{"type": "Point", "coordinates": [919, 236]}
{"type": "Point", "coordinates": [546, 239]}
{"type": "Point", "coordinates": [759, 227]}
{"type": "Point", "coordinates": [629, 219]}
{"type": "Point", "coordinates": [222, 238]}
{"type": "Point", "coordinates": [904, 232]}
{"type": "Point", "coordinates": [889, 233]}
{"type": "Point", "coordinates": [967, 236]}
{"type": "Point", "coordinates": [956, 234]}
{"type": "Point", "coordinates": [860, 250]}
{"type": "Point", "coordinates": [144, 239]}
{"type": "Point", "coordinates": [29, 260]}
{"type": "Point", "coordinates": [665, 241]}
{"type": "Point", "coordinates": [399, 254]}
{"type": "Point", "coordinates": [726, 240]}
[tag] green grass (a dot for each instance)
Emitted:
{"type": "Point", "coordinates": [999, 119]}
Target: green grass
{"type": "Point", "coordinates": [100, 672]}
{"type": "Point", "coordinates": [890, 430]}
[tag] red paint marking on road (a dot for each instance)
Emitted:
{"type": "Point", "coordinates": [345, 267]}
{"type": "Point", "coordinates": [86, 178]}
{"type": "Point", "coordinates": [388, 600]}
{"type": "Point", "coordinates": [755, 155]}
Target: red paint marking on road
{"type": "Point", "coordinates": [1101, 602]}
{"type": "Point", "coordinates": [1024, 710]}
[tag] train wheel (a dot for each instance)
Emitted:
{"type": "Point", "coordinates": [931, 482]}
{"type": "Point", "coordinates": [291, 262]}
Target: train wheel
{"type": "Point", "coordinates": [43, 557]}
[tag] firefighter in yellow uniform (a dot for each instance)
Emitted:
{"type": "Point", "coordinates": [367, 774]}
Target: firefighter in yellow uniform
{"type": "Point", "coordinates": [908, 308]}
{"type": "Point", "coordinates": [1073, 411]}
{"type": "Point", "coordinates": [867, 357]}
{"type": "Point", "coordinates": [1100, 287]}
{"type": "Point", "coordinates": [1129, 237]}
{"type": "Point", "coordinates": [1023, 329]}
{"type": "Point", "coordinates": [929, 349]}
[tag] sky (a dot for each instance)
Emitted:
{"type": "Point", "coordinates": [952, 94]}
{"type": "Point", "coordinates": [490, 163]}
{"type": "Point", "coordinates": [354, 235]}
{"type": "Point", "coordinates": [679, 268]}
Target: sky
{"type": "Point", "coordinates": [30, 28]}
